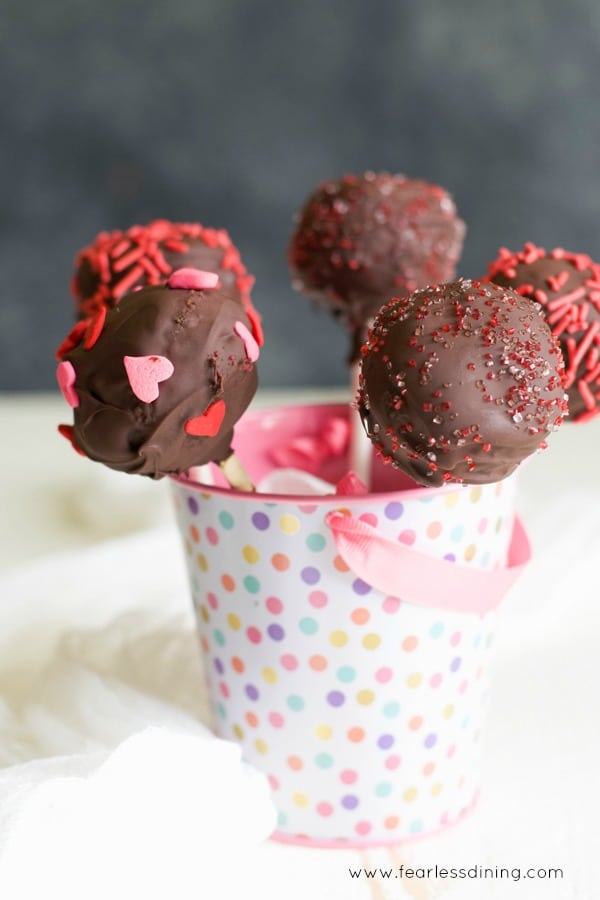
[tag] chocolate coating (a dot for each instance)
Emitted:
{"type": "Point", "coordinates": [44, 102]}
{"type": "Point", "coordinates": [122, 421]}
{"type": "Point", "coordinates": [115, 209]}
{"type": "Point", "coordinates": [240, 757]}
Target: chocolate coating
{"type": "Point", "coordinates": [364, 239]}
{"type": "Point", "coordinates": [460, 382]}
{"type": "Point", "coordinates": [116, 262]}
{"type": "Point", "coordinates": [195, 330]}
{"type": "Point", "coordinates": [567, 285]}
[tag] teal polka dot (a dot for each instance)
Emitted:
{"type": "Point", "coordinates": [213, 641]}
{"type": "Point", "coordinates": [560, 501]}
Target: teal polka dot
{"type": "Point", "coordinates": [346, 674]}
{"type": "Point", "coordinates": [281, 819]}
{"type": "Point", "coordinates": [315, 542]}
{"type": "Point", "coordinates": [477, 641]}
{"type": "Point", "coordinates": [391, 709]}
{"type": "Point", "coordinates": [252, 584]}
{"type": "Point", "coordinates": [308, 625]}
{"type": "Point", "coordinates": [324, 760]}
{"type": "Point", "coordinates": [457, 533]}
{"type": "Point", "coordinates": [383, 789]}
{"type": "Point", "coordinates": [295, 702]}
{"type": "Point", "coordinates": [436, 630]}
{"type": "Point", "coordinates": [226, 520]}
{"type": "Point", "coordinates": [416, 826]}
{"type": "Point", "coordinates": [219, 637]}
{"type": "Point", "coordinates": [222, 712]}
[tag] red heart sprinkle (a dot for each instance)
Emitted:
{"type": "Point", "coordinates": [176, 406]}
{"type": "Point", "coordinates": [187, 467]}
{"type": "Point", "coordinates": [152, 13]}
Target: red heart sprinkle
{"type": "Point", "coordinates": [208, 424]}
{"type": "Point", "coordinates": [67, 432]}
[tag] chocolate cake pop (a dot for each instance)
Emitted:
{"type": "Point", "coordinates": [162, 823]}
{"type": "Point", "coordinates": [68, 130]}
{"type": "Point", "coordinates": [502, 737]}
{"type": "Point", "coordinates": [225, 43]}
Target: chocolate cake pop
{"type": "Point", "coordinates": [460, 382]}
{"type": "Point", "coordinates": [567, 285]}
{"type": "Point", "coordinates": [158, 382]}
{"type": "Point", "coordinates": [117, 261]}
{"type": "Point", "coordinates": [363, 239]}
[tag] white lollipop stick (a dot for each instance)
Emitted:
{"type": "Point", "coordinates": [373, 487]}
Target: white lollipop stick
{"type": "Point", "coordinates": [361, 449]}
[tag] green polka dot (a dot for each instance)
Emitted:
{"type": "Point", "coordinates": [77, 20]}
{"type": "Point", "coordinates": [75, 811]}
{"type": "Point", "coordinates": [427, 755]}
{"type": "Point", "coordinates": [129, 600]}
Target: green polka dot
{"type": "Point", "coordinates": [391, 709]}
{"type": "Point", "coordinates": [252, 584]}
{"type": "Point", "coordinates": [346, 674]}
{"type": "Point", "coordinates": [324, 760]}
{"type": "Point", "coordinates": [308, 625]}
{"type": "Point", "coordinates": [295, 702]}
{"type": "Point", "coordinates": [315, 542]}
{"type": "Point", "coordinates": [383, 789]}
{"type": "Point", "coordinates": [226, 520]}
{"type": "Point", "coordinates": [219, 637]}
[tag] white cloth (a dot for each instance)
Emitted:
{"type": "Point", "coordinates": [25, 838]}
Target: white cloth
{"type": "Point", "coordinates": [111, 786]}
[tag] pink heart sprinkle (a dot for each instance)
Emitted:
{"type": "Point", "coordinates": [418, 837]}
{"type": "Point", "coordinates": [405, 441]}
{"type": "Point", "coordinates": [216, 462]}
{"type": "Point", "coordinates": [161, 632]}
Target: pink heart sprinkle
{"type": "Point", "coordinates": [144, 374]}
{"type": "Point", "coordinates": [65, 375]}
{"type": "Point", "coordinates": [193, 280]}
{"type": "Point", "coordinates": [250, 344]}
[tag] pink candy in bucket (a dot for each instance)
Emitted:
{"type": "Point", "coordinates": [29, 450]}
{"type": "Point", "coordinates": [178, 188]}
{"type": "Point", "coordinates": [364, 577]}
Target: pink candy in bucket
{"type": "Point", "coordinates": [345, 638]}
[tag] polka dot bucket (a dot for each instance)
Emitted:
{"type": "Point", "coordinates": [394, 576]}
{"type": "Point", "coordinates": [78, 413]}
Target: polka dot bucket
{"type": "Point", "coordinates": [345, 639]}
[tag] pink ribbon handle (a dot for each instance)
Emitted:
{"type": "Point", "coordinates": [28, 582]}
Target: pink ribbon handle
{"type": "Point", "coordinates": [399, 571]}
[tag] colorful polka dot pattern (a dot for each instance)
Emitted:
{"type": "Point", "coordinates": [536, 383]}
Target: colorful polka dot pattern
{"type": "Point", "coordinates": [365, 712]}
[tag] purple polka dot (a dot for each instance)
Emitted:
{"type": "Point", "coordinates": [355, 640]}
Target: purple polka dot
{"type": "Point", "coordinates": [430, 740]}
{"type": "Point", "coordinates": [393, 511]}
{"type": "Point", "coordinates": [276, 632]}
{"type": "Point", "coordinates": [455, 664]}
{"type": "Point", "coordinates": [335, 698]}
{"type": "Point", "coordinates": [360, 587]}
{"type": "Point", "coordinates": [350, 801]}
{"type": "Point", "coordinates": [450, 557]}
{"type": "Point", "coordinates": [385, 741]}
{"type": "Point", "coordinates": [252, 692]}
{"type": "Point", "coordinates": [310, 575]}
{"type": "Point", "coordinates": [193, 505]}
{"type": "Point", "coordinates": [260, 521]}
{"type": "Point", "coordinates": [219, 666]}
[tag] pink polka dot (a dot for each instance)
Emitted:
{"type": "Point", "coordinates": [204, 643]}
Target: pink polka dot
{"type": "Point", "coordinates": [407, 536]}
{"type": "Point", "coordinates": [463, 686]}
{"type": "Point", "coordinates": [212, 536]}
{"type": "Point", "coordinates": [276, 720]}
{"type": "Point", "coordinates": [289, 662]}
{"type": "Point", "coordinates": [392, 762]}
{"type": "Point", "coordinates": [324, 809]}
{"type": "Point", "coordinates": [212, 600]}
{"type": "Point", "coordinates": [274, 605]}
{"type": "Point", "coordinates": [318, 599]}
{"type": "Point", "coordinates": [482, 525]}
{"type": "Point", "coordinates": [362, 827]}
{"type": "Point", "coordinates": [450, 751]}
{"type": "Point", "coordinates": [384, 674]}
{"type": "Point", "coordinates": [436, 680]}
{"type": "Point", "coordinates": [391, 605]}
{"type": "Point", "coordinates": [273, 782]}
{"type": "Point", "coordinates": [348, 776]}
{"type": "Point", "coordinates": [223, 689]}
{"type": "Point", "coordinates": [369, 518]}
{"type": "Point", "coordinates": [307, 508]}
{"type": "Point", "coordinates": [455, 639]}
{"type": "Point", "coordinates": [254, 635]}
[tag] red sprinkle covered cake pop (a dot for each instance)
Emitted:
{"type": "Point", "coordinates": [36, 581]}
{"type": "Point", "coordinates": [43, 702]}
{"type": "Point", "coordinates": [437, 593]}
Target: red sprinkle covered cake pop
{"type": "Point", "coordinates": [567, 285]}
{"type": "Point", "coordinates": [158, 382]}
{"type": "Point", "coordinates": [460, 382]}
{"type": "Point", "coordinates": [118, 261]}
{"type": "Point", "coordinates": [363, 239]}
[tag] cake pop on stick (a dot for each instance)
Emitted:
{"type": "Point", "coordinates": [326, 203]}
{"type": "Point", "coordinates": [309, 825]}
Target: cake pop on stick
{"type": "Point", "coordinates": [365, 238]}
{"type": "Point", "coordinates": [158, 382]}
{"type": "Point", "coordinates": [118, 261]}
{"type": "Point", "coordinates": [567, 286]}
{"type": "Point", "coordinates": [460, 382]}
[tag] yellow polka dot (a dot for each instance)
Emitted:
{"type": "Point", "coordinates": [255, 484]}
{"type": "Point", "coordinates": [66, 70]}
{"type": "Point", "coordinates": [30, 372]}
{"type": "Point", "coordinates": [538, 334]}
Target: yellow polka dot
{"type": "Point", "coordinates": [234, 622]}
{"type": "Point", "coordinates": [206, 496]}
{"type": "Point", "coordinates": [338, 638]}
{"type": "Point", "coordinates": [498, 523]}
{"type": "Point", "coordinates": [188, 547]}
{"type": "Point", "coordinates": [451, 500]}
{"type": "Point", "coordinates": [324, 732]}
{"type": "Point", "coordinates": [238, 731]}
{"type": "Point", "coordinates": [250, 554]}
{"type": "Point", "coordinates": [202, 562]}
{"type": "Point", "coordinates": [289, 524]}
{"type": "Point", "coordinates": [470, 552]}
{"type": "Point", "coordinates": [205, 614]}
{"type": "Point", "coordinates": [371, 641]}
{"type": "Point", "coordinates": [261, 746]}
{"type": "Point", "coordinates": [409, 795]}
{"type": "Point", "coordinates": [448, 711]}
{"type": "Point", "coordinates": [299, 799]}
{"type": "Point", "coordinates": [475, 494]}
{"type": "Point", "coordinates": [269, 675]}
{"type": "Point", "coordinates": [436, 789]}
{"type": "Point", "coordinates": [414, 679]}
{"type": "Point", "coordinates": [365, 697]}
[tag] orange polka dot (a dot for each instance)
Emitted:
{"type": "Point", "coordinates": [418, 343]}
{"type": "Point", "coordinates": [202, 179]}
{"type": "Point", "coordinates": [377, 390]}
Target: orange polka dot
{"type": "Point", "coordinates": [237, 665]}
{"type": "Point", "coordinates": [280, 562]}
{"type": "Point", "coordinates": [360, 615]}
{"type": "Point", "coordinates": [428, 769]}
{"type": "Point", "coordinates": [251, 719]}
{"type": "Point", "coordinates": [409, 643]}
{"type": "Point", "coordinates": [415, 723]}
{"type": "Point", "coordinates": [295, 763]}
{"type": "Point", "coordinates": [391, 822]}
{"type": "Point", "coordinates": [318, 663]}
{"type": "Point", "coordinates": [434, 529]}
{"type": "Point", "coordinates": [356, 734]}
{"type": "Point", "coordinates": [470, 552]}
{"type": "Point", "coordinates": [204, 644]}
{"type": "Point", "coordinates": [228, 582]}
{"type": "Point", "coordinates": [340, 565]}
{"type": "Point", "coordinates": [194, 534]}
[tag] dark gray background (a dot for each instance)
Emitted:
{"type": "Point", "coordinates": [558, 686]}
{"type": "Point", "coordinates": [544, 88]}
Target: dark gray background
{"type": "Point", "coordinates": [226, 112]}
